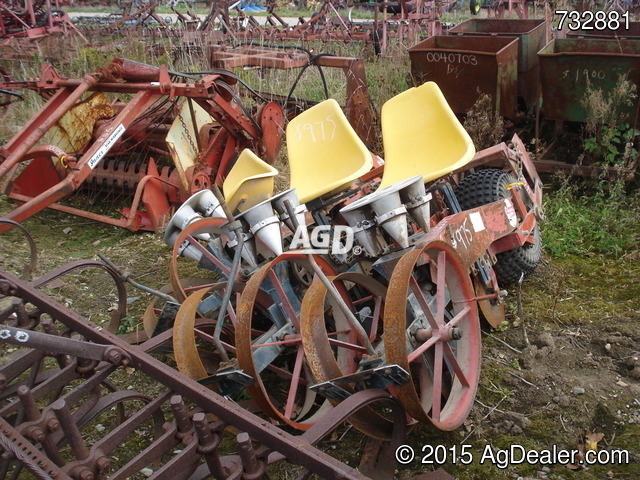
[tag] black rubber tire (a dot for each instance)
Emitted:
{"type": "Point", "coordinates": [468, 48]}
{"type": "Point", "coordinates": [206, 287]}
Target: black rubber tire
{"type": "Point", "coordinates": [474, 7]}
{"type": "Point", "coordinates": [487, 186]}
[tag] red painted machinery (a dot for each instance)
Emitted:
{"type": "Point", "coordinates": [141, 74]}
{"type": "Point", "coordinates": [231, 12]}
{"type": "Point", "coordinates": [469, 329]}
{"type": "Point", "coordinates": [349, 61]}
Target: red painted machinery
{"type": "Point", "coordinates": [32, 19]}
{"type": "Point", "coordinates": [154, 135]}
{"type": "Point", "coordinates": [435, 234]}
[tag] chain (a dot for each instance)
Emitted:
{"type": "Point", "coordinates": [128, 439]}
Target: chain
{"type": "Point", "coordinates": [187, 133]}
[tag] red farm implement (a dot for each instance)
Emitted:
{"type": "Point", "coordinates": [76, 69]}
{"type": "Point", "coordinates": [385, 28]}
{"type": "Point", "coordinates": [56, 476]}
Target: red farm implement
{"type": "Point", "coordinates": [360, 275]}
{"type": "Point", "coordinates": [149, 136]}
{"type": "Point", "coordinates": [355, 294]}
{"type": "Point", "coordinates": [169, 140]}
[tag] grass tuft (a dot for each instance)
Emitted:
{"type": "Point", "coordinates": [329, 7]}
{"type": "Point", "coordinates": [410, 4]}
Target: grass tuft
{"type": "Point", "coordinates": [589, 220]}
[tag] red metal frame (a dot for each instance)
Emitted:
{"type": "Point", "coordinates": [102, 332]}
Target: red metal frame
{"type": "Point", "coordinates": [155, 190]}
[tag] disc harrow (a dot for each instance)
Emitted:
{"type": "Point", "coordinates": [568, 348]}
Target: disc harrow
{"type": "Point", "coordinates": [67, 379]}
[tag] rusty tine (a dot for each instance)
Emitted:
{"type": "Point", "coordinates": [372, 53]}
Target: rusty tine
{"type": "Point", "coordinates": [250, 463]}
{"type": "Point", "coordinates": [47, 326]}
{"type": "Point", "coordinates": [50, 329]}
{"type": "Point", "coordinates": [180, 412]}
{"type": "Point", "coordinates": [31, 410]}
{"type": "Point", "coordinates": [70, 429]}
{"type": "Point", "coordinates": [208, 443]}
{"type": "Point", "coordinates": [32, 413]}
{"type": "Point", "coordinates": [37, 434]}
{"type": "Point", "coordinates": [21, 312]}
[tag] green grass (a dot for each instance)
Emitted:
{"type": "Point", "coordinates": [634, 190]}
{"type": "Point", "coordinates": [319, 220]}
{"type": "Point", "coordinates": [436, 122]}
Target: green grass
{"type": "Point", "coordinates": [587, 220]}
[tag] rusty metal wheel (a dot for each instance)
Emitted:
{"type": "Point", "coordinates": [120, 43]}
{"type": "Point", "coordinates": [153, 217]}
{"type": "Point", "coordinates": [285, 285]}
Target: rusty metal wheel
{"type": "Point", "coordinates": [14, 261]}
{"type": "Point", "coordinates": [193, 344]}
{"type": "Point", "coordinates": [191, 359]}
{"type": "Point", "coordinates": [269, 346]}
{"type": "Point", "coordinates": [187, 242]}
{"type": "Point", "coordinates": [332, 347]}
{"type": "Point", "coordinates": [432, 330]}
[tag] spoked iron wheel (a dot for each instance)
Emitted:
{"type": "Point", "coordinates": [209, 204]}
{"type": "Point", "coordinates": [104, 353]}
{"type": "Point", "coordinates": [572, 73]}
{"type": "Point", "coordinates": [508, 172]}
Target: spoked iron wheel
{"type": "Point", "coordinates": [193, 360]}
{"type": "Point", "coordinates": [432, 330]}
{"type": "Point", "coordinates": [269, 345]}
{"type": "Point", "coordinates": [187, 242]}
{"type": "Point", "coordinates": [193, 342]}
{"type": "Point", "coordinates": [333, 348]}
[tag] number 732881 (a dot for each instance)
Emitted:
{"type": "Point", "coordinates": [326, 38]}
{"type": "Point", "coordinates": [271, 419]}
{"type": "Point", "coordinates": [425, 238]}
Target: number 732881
{"type": "Point", "coordinates": [588, 20]}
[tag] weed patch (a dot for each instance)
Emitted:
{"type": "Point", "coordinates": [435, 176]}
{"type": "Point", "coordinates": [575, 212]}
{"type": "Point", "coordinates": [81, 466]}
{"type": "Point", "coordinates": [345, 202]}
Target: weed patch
{"type": "Point", "coordinates": [583, 220]}
{"type": "Point", "coordinates": [484, 125]}
{"type": "Point", "coordinates": [609, 136]}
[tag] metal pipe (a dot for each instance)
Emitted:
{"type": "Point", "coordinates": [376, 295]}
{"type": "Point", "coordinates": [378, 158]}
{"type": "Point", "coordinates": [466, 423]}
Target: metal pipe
{"type": "Point", "coordinates": [71, 430]}
{"type": "Point", "coordinates": [236, 226]}
{"type": "Point", "coordinates": [126, 278]}
{"type": "Point", "coordinates": [353, 321]}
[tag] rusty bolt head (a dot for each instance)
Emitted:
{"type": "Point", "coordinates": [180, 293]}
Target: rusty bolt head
{"type": "Point", "coordinates": [114, 357]}
{"type": "Point", "coordinates": [53, 424]}
{"type": "Point", "coordinates": [37, 435]}
{"type": "Point", "coordinates": [103, 464]}
{"type": "Point", "coordinates": [7, 288]}
{"type": "Point", "coordinates": [86, 474]}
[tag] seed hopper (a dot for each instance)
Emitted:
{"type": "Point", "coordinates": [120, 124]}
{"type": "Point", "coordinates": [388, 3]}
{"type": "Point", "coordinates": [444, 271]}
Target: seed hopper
{"type": "Point", "coordinates": [301, 318]}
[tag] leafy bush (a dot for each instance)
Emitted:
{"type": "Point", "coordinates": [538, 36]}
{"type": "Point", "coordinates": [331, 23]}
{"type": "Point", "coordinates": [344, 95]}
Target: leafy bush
{"type": "Point", "coordinates": [484, 125]}
{"type": "Point", "coordinates": [609, 137]}
{"type": "Point", "coordinates": [615, 147]}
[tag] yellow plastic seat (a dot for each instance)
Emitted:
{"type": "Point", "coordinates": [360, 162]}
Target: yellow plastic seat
{"type": "Point", "coordinates": [249, 182]}
{"type": "Point", "coordinates": [325, 153]}
{"type": "Point", "coordinates": [422, 136]}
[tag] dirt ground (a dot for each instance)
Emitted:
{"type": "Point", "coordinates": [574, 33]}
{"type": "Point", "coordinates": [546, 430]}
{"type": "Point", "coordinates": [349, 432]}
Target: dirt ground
{"type": "Point", "coordinates": [562, 371]}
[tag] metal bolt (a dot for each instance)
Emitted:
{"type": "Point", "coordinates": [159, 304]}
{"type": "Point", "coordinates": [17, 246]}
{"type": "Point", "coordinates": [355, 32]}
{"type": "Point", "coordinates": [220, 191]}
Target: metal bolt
{"type": "Point", "coordinates": [423, 334]}
{"type": "Point", "coordinates": [53, 425]}
{"type": "Point", "coordinates": [37, 435]}
{"type": "Point", "coordinates": [103, 464]}
{"type": "Point", "coordinates": [456, 333]}
{"type": "Point", "coordinates": [113, 356]}
{"type": "Point", "coordinates": [86, 474]}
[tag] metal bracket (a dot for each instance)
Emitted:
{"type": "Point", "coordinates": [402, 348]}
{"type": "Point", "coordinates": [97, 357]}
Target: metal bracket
{"type": "Point", "coordinates": [376, 377]}
{"type": "Point", "coordinates": [230, 379]}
